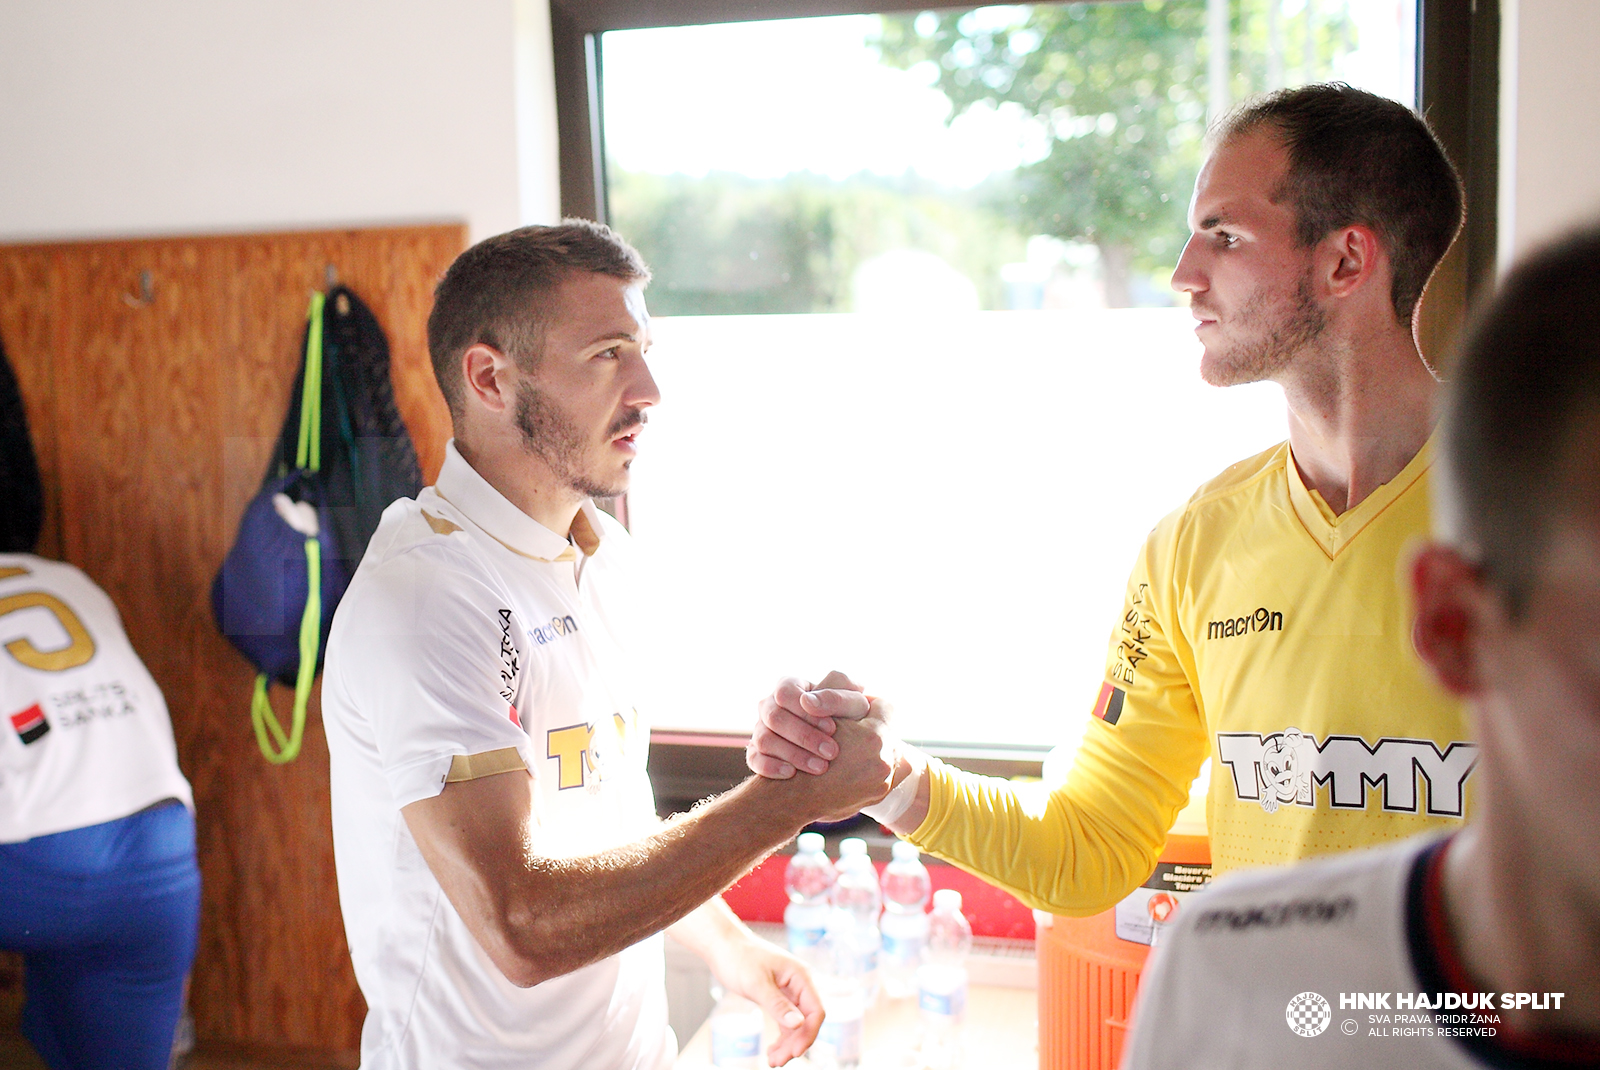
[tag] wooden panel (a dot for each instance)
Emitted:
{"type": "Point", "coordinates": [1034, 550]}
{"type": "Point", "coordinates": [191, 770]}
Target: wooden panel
{"type": "Point", "coordinates": [154, 422]}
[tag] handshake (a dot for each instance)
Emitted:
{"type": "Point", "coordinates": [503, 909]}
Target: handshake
{"type": "Point", "coordinates": [839, 738]}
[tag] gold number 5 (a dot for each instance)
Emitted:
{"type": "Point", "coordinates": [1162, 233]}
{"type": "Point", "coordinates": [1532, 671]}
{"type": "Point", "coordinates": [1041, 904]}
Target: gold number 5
{"type": "Point", "coordinates": [80, 650]}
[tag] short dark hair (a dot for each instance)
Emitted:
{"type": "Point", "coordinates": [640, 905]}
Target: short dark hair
{"type": "Point", "coordinates": [1358, 158]}
{"type": "Point", "coordinates": [1526, 384]}
{"type": "Point", "coordinates": [497, 292]}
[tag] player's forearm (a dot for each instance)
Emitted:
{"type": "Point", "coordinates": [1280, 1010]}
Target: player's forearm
{"type": "Point", "coordinates": [1061, 857]}
{"type": "Point", "coordinates": [559, 915]}
{"type": "Point", "coordinates": [710, 930]}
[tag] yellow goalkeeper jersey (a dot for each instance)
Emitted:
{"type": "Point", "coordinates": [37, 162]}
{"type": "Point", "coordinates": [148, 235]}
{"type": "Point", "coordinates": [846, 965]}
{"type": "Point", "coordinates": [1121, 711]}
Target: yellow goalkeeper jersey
{"type": "Point", "coordinates": [1272, 636]}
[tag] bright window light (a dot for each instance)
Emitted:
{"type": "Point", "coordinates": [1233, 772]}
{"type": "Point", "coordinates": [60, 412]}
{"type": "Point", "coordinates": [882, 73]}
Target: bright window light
{"type": "Point", "coordinates": [925, 385]}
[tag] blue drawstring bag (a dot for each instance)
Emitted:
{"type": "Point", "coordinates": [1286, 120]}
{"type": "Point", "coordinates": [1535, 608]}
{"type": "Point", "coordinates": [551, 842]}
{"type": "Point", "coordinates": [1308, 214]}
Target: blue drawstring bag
{"type": "Point", "coordinates": [261, 593]}
{"type": "Point", "coordinates": [270, 593]}
{"type": "Point", "coordinates": [303, 534]}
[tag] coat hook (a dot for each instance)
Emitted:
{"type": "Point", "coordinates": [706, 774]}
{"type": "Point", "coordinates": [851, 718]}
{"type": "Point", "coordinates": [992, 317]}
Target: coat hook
{"type": "Point", "coordinates": [147, 292]}
{"type": "Point", "coordinates": [330, 276]}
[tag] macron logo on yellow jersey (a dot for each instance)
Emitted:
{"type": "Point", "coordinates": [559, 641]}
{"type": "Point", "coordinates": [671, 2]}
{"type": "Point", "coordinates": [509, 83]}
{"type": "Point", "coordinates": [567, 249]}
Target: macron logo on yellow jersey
{"type": "Point", "coordinates": [1261, 620]}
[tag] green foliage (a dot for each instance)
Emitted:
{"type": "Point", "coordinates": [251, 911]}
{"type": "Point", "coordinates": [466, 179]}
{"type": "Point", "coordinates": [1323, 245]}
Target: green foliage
{"type": "Point", "coordinates": [1121, 89]}
{"type": "Point", "coordinates": [730, 244]}
{"type": "Point", "coordinates": [1332, 35]}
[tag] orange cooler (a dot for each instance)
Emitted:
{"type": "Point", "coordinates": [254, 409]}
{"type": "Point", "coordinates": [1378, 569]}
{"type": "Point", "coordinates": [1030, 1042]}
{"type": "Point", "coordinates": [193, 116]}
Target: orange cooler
{"type": "Point", "coordinates": [1089, 967]}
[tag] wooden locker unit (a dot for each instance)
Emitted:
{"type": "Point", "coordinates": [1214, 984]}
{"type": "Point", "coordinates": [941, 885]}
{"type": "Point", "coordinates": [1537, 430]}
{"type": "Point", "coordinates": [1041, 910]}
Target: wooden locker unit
{"type": "Point", "coordinates": [157, 374]}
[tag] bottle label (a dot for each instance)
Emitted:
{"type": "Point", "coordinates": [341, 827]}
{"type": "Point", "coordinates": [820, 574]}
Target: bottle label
{"type": "Point", "coordinates": [901, 949]}
{"type": "Point", "coordinates": [841, 1039]}
{"type": "Point", "coordinates": [727, 1046]}
{"type": "Point", "coordinates": [951, 1004]}
{"type": "Point", "coordinates": [800, 939]}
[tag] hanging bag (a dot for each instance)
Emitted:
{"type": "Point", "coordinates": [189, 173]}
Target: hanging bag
{"type": "Point", "coordinates": [275, 593]}
{"type": "Point", "coordinates": [343, 456]}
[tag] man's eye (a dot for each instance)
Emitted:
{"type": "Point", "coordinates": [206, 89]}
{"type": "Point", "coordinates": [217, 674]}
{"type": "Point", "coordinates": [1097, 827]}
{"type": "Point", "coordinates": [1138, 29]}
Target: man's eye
{"type": "Point", "coordinates": [1226, 240]}
{"type": "Point", "coordinates": [610, 354]}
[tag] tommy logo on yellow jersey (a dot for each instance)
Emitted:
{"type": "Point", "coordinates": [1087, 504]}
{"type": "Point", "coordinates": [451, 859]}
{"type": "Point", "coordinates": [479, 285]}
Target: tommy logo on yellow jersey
{"type": "Point", "coordinates": [1286, 769]}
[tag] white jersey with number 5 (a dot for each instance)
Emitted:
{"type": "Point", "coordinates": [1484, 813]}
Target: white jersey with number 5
{"type": "Point", "coordinates": [84, 732]}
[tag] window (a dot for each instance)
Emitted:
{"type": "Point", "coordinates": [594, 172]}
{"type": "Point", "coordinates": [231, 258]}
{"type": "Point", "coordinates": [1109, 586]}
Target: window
{"type": "Point", "coordinates": [922, 399]}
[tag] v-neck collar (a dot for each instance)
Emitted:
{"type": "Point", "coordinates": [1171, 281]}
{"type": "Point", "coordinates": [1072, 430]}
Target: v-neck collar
{"type": "Point", "coordinates": [1334, 533]}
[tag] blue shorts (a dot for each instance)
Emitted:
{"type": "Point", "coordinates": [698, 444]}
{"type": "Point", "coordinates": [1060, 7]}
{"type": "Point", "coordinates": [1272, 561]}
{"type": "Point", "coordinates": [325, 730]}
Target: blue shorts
{"type": "Point", "coordinates": [107, 918]}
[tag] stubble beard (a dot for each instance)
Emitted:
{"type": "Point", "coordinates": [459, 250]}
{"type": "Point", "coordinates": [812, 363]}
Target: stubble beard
{"type": "Point", "coordinates": [1296, 324]}
{"type": "Point", "coordinates": [549, 433]}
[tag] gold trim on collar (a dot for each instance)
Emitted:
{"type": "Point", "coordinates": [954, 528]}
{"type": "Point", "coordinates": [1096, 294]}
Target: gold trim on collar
{"type": "Point", "coordinates": [489, 763]}
{"type": "Point", "coordinates": [439, 524]}
{"type": "Point", "coordinates": [567, 552]}
{"type": "Point", "coordinates": [584, 534]}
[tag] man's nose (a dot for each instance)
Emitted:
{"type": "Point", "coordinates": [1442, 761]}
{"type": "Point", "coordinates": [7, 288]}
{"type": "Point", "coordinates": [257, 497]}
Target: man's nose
{"type": "Point", "coordinates": [642, 390]}
{"type": "Point", "coordinates": [1187, 276]}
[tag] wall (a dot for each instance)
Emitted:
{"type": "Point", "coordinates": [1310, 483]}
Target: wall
{"type": "Point", "coordinates": [188, 116]}
{"type": "Point", "coordinates": [153, 419]}
{"type": "Point", "coordinates": [1549, 119]}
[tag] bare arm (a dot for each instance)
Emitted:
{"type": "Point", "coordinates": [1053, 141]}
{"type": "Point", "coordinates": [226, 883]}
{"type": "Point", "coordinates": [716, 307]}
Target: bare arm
{"type": "Point", "coordinates": [539, 917]}
{"type": "Point", "coordinates": [773, 979]}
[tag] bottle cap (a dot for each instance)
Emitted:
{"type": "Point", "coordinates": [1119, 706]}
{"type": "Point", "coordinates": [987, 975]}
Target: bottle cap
{"type": "Point", "coordinates": [904, 852]}
{"type": "Point", "coordinates": [947, 899]}
{"type": "Point", "coordinates": [809, 841]}
{"type": "Point", "coordinates": [852, 845]}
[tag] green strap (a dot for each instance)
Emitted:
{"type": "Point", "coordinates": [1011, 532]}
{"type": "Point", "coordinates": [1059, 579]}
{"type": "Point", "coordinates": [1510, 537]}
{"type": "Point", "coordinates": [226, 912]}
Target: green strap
{"type": "Point", "coordinates": [309, 453]}
{"type": "Point", "coordinates": [284, 747]}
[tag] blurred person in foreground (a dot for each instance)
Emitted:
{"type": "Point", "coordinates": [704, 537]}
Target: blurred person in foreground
{"type": "Point", "coordinates": [1264, 627]}
{"type": "Point", "coordinates": [1480, 948]}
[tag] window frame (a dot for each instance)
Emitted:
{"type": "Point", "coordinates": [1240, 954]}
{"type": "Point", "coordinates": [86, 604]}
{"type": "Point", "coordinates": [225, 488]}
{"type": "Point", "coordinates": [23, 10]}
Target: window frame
{"type": "Point", "coordinates": [1458, 65]}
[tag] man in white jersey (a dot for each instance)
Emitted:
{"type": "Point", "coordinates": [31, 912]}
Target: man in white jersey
{"type": "Point", "coordinates": [99, 887]}
{"type": "Point", "coordinates": [1263, 626]}
{"type": "Point", "coordinates": [1481, 948]}
{"type": "Point", "coordinates": [502, 873]}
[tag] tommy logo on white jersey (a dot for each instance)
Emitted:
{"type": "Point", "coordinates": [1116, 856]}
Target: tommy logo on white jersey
{"type": "Point", "coordinates": [1285, 769]}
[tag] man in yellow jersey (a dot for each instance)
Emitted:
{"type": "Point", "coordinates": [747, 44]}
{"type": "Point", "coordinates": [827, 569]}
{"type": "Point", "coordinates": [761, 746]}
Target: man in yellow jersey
{"type": "Point", "coordinates": [1478, 949]}
{"type": "Point", "coordinates": [1263, 624]}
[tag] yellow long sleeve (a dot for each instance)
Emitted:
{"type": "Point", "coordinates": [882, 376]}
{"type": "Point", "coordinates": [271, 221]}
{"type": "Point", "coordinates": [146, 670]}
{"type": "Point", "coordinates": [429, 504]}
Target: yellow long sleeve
{"type": "Point", "coordinates": [1270, 635]}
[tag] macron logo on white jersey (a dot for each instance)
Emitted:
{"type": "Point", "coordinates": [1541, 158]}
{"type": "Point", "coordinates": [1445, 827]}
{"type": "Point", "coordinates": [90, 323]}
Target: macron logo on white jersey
{"type": "Point", "coordinates": [1286, 768]}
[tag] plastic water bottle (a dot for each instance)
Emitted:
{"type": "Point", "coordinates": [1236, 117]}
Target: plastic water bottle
{"type": "Point", "coordinates": [942, 983]}
{"type": "Point", "coordinates": [856, 894]}
{"type": "Point", "coordinates": [809, 882]}
{"type": "Point", "coordinates": [905, 921]}
{"type": "Point", "coordinates": [735, 1031]}
{"type": "Point", "coordinates": [842, 982]}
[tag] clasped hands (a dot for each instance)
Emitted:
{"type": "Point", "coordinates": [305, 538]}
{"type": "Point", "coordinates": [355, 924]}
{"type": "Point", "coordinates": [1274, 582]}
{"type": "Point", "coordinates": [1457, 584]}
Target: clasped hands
{"type": "Point", "coordinates": [833, 731]}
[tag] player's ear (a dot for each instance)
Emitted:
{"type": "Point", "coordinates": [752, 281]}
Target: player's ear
{"type": "Point", "coordinates": [1450, 597]}
{"type": "Point", "coordinates": [1354, 255]}
{"type": "Point", "coordinates": [486, 372]}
